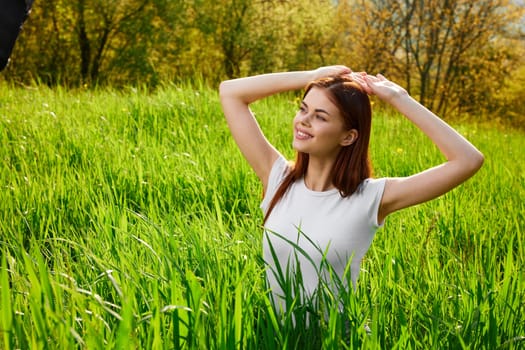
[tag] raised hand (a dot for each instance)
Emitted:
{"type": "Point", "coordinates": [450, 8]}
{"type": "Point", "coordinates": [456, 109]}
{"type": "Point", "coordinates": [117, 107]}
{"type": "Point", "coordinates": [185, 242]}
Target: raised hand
{"type": "Point", "coordinates": [331, 71]}
{"type": "Point", "coordinates": [383, 88]}
{"type": "Point", "coordinates": [378, 85]}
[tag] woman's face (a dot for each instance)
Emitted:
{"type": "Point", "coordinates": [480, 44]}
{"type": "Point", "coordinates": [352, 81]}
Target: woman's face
{"type": "Point", "coordinates": [319, 128]}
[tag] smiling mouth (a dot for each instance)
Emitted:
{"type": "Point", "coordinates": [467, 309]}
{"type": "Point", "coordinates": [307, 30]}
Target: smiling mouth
{"type": "Point", "coordinates": [301, 135]}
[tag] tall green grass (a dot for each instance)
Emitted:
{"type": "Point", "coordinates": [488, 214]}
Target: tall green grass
{"type": "Point", "coordinates": [128, 219]}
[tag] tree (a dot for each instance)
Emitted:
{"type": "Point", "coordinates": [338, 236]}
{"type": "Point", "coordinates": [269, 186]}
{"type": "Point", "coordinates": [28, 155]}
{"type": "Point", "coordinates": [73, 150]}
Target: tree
{"type": "Point", "coordinates": [99, 24]}
{"type": "Point", "coordinates": [92, 41]}
{"type": "Point", "coordinates": [455, 56]}
{"type": "Point", "coordinates": [435, 46]}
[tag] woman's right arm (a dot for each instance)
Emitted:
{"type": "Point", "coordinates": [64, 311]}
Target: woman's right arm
{"type": "Point", "coordinates": [236, 96]}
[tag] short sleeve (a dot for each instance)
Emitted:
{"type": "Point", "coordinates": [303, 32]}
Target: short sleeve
{"type": "Point", "coordinates": [373, 191]}
{"type": "Point", "coordinates": [277, 175]}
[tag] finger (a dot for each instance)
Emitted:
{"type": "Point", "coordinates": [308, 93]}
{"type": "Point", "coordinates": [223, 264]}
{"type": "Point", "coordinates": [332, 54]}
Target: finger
{"type": "Point", "coordinates": [338, 71]}
{"type": "Point", "coordinates": [364, 85]}
{"type": "Point", "coordinates": [345, 70]}
{"type": "Point", "coordinates": [354, 75]}
{"type": "Point", "coordinates": [370, 79]}
{"type": "Point", "coordinates": [358, 79]}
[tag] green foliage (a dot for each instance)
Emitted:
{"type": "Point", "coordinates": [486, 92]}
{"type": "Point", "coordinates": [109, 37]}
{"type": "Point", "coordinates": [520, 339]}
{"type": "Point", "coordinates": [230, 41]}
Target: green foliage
{"type": "Point", "coordinates": [455, 56]}
{"type": "Point", "coordinates": [130, 220]}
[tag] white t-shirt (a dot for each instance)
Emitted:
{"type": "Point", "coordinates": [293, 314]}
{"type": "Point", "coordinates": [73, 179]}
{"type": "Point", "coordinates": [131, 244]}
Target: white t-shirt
{"type": "Point", "coordinates": [341, 228]}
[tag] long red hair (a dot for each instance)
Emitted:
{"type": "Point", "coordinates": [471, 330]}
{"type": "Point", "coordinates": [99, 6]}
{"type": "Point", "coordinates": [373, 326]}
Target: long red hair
{"type": "Point", "coordinates": [352, 164]}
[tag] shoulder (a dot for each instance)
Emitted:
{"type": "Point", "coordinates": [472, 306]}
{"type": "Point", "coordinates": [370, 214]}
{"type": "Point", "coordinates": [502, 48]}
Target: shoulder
{"type": "Point", "coordinates": [280, 168]}
{"type": "Point", "coordinates": [371, 193]}
{"type": "Point", "coordinates": [372, 185]}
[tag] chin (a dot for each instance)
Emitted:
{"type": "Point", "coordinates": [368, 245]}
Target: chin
{"type": "Point", "coordinates": [298, 148]}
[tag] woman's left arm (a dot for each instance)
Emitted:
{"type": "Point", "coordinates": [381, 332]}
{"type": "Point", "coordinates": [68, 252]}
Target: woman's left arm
{"type": "Point", "coordinates": [462, 159]}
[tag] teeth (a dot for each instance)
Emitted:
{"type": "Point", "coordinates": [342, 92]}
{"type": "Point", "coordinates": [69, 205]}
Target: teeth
{"type": "Point", "coordinates": [302, 134]}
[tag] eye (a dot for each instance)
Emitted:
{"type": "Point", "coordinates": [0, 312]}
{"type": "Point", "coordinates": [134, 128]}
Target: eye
{"type": "Point", "coordinates": [302, 109]}
{"type": "Point", "coordinates": [320, 117]}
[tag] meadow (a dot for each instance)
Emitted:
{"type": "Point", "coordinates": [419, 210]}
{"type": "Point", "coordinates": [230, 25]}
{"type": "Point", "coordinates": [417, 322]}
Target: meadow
{"type": "Point", "coordinates": [129, 220]}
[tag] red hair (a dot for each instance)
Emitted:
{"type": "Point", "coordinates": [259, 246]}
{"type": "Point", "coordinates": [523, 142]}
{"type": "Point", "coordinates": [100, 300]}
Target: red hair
{"type": "Point", "coordinates": [352, 164]}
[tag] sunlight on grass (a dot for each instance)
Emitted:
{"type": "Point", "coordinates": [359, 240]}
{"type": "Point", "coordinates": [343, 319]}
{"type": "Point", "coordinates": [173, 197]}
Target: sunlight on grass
{"type": "Point", "coordinates": [129, 219]}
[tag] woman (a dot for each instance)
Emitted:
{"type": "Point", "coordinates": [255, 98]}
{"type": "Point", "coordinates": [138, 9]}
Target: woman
{"type": "Point", "coordinates": [325, 208]}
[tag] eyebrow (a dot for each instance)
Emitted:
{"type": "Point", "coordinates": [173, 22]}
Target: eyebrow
{"type": "Point", "coordinates": [319, 110]}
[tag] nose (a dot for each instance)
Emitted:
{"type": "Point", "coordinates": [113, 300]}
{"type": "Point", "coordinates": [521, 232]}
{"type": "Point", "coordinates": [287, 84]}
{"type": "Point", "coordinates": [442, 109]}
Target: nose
{"type": "Point", "coordinates": [305, 118]}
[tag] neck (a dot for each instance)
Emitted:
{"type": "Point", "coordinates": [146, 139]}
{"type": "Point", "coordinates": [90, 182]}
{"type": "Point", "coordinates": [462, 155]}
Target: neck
{"type": "Point", "coordinates": [318, 176]}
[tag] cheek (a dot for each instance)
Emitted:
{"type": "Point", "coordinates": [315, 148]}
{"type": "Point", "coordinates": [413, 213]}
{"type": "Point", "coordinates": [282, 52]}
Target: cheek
{"type": "Point", "coordinates": [333, 131]}
{"type": "Point", "coordinates": [297, 117]}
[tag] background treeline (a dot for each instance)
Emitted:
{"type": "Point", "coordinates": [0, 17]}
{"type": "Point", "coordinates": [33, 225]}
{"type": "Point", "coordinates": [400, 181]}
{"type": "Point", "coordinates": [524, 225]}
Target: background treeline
{"type": "Point", "coordinates": [459, 57]}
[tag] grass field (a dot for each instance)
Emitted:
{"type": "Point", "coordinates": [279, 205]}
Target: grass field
{"type": "Point", "coordinates": [128, 220]}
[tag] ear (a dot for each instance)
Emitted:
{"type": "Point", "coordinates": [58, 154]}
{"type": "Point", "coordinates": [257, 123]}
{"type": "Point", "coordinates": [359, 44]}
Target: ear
{"type": "Point", "coordinates": [351, 137]}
